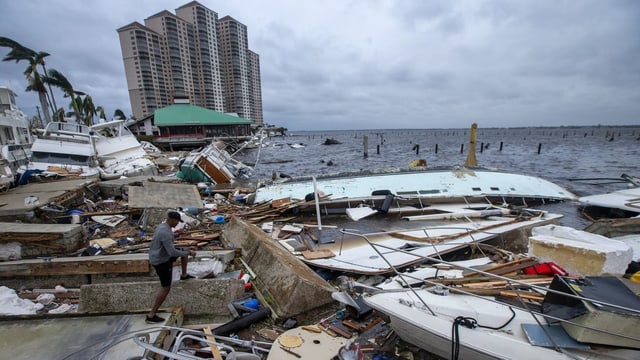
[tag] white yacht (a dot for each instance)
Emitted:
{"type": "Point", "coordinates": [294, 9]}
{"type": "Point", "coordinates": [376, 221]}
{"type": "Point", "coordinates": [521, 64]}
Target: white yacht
{"type": "Point", "coordinates": [107, 150]}
{"type": "Point", "coordinates": [63, 149]}
{"type": "Point", "coordinates": [15, 137]}
{"type": "Point", "coordinates": [119, 152]}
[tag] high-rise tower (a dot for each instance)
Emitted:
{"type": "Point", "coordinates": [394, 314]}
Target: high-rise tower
{"type": "Point", "coordinates": [191, 54]}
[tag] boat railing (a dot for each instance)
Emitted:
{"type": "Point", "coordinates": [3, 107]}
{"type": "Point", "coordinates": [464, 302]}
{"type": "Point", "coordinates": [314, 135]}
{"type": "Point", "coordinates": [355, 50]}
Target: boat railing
{"type": "Point", "coordinates": [67, 128]}
{"type": "Point", "coordinates": [514, 284]}
{"type": "Point", "coordinates": [180, 352]}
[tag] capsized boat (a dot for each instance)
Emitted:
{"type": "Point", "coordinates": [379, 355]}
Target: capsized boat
{"type": "Point", "coordinates": [621, 203]}
{"type": "Point", "coordinates": [212, 164]}
{"type": "Point", "coordinates": [438, 184]}
{"type": "Point", "coordinates": [406, 243]}
{"type": "Point", "coordinates": [119, 152]}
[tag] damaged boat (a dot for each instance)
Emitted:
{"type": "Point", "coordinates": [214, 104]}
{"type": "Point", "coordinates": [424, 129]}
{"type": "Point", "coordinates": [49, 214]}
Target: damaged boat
{"type": "Point", "coordinates": [406, 243]}
{"type": "Point", "coordinates": [106, 150]}
{"type": "Point", "coordinates": [616, 204]}
{"type": "Point", "coordinates": [120, 153]}
{"type": "Point", "coordinates": [15, 138]}
{"type": "Point", "coordinates": [417, 186]}
{"type": "Point", "coordinates": [60, 150]}
{"type": "Point", "coordinates": [212, 164]}
{"type": "Point", "coordinates": [512, 312]}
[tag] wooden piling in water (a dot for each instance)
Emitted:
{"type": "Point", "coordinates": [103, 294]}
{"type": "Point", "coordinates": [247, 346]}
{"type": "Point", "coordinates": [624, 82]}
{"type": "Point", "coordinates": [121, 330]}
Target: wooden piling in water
{"type": "Point", "coordinates": [378, 149]}
{"type": "Point", "coordinates": [539, 148]}
{"type": "Point", "coordinates": [461, 148]}
{"type": "Point", "coordinates": [365, 144]}
{"type": "Point", "coordinates": [500, 145]}
{"type": "Point", "coordinates": [481, 147]}
{"type": "Point", "coordinates": [436, 148]}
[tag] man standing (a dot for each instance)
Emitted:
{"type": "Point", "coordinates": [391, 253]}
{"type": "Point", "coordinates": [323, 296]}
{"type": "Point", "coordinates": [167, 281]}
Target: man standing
{"type": "Point", "coordinates": [162, 254]}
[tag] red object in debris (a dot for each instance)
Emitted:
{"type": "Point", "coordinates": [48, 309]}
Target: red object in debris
{"type": "Point", "coordinates": [245, 278]}
{"type": "Point", "coordinates": [547, 268]}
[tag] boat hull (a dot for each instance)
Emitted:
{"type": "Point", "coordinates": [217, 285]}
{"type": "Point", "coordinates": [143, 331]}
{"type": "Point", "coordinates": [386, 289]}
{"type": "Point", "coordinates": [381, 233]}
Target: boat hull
{"type": "Point", "coordinates": [423, 184]}
{"type": "Point", "coordinates": [414, 323]}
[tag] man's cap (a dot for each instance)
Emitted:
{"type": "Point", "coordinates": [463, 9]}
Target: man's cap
{"type": "Point", "coordinates": [174, 215]}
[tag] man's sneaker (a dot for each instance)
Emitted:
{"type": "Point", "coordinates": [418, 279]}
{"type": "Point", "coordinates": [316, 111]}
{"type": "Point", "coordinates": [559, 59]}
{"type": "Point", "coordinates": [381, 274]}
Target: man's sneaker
{"type": "Point", "coordinates": [187, 277]}
{"type": "Point", "coordinates": [153, 320]}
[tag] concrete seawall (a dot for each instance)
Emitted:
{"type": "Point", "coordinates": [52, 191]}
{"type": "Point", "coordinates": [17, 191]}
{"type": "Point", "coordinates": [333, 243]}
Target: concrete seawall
{"type": "Point", "coordinates": [287, 284]}
{"type": "Point", "coordinates": [206, 297]}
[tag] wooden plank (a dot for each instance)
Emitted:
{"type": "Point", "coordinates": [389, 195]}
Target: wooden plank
{"type": "Point", "coordinates": [280, 202]}
{"type": "Point", "coordinates": [214, 349]}
{"type": "Point", "coordinates": [318, 254]}
{"type": "Point", "coordinates": [508, 267]}
{"type": "Point", "coordinates": [478, 279]}
{"type": "Point", "coordinates": [504, 283]}
{"type": "Point", "coordinates": [86, 265]}
{"type": "Point", "coordinates": [522, 294]}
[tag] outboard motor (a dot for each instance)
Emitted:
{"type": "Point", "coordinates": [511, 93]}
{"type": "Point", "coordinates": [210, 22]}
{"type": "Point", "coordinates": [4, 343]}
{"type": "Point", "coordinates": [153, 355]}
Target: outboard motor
{"type": "Point", "coordinates": [388, 200]}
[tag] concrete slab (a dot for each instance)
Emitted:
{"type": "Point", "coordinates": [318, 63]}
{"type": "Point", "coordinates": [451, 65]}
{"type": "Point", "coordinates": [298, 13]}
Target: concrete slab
{"type": "Point", "coordinates": [287, 284]}
{"type": "Point", "coordinates": [208, 297]}
{"type": "Point", "coordinates": [14, 207]}
{"type": "Point", "coordinates": [42, 239]}
{"type": "Point", "coordinates": [118, 187]}
{"type": "Point", "coordinates": [154, 195]}
{"type": "Point", "coordinates": [74, 337]}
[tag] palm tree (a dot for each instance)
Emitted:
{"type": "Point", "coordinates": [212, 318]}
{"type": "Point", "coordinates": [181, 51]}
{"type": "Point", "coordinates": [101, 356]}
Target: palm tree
{"type": "Point", "coordinates": [119, 114]}
{"type": "Point", "coordinates": [59, 115]}
{"type": "Point", "coordinates": [60, 81]}
{"type": "Point", "coordinates": [88, 110]}
{"type": "Point", "coordinates": [21, 53]}
{"type": "Point", "coordinates": [102, 115]}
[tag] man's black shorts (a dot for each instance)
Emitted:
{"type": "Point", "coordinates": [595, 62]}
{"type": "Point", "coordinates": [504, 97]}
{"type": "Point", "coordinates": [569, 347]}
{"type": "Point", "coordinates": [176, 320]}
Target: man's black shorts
{"type": "Point", "coordinates": [165, 272]}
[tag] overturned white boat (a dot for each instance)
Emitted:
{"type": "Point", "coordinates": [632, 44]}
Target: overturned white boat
{"type": "Point", "coordinates": [119, 152]}
{"type": "Point", "coordinates": [458, 184]}
{"type": "Point", "coordinates": [212, 164]}
{"type": "Point", "coordinates": [621, 203]}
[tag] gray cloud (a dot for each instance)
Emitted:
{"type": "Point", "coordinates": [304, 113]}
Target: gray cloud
{"type": "Point", "coordinates": [378, 64]}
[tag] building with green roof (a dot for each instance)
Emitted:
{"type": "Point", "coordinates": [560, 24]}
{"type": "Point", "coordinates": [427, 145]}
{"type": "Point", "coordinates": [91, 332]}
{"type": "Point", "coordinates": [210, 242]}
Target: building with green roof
{"type": "Point", "coordinates": [184, 125]}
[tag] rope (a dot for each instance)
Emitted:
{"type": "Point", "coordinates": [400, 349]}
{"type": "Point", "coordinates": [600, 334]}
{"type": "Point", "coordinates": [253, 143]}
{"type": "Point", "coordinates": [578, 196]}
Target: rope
{"type": "Point", "coordinates": [470, 323]}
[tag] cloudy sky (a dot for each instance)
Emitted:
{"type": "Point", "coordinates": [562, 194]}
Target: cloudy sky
{"type": "Point", "coordinates": [369, 64]}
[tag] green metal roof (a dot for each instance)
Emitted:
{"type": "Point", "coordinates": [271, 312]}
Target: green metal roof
{"type": "Point", "coordinates": [187, 114]}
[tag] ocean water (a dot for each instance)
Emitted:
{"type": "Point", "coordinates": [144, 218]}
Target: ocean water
{"type": "Point", "coordinates": [558, 154]}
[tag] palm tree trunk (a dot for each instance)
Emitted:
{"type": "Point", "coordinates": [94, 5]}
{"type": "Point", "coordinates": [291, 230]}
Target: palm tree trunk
{"type": "Point", "coordinates": [45, 107]}
{"type": "Point", "coordinates": [53, 98]}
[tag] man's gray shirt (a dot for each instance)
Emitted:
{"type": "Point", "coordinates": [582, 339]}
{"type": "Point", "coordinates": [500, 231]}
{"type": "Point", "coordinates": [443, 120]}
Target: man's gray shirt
{"type": "Point", "coordinates": [162, 248]}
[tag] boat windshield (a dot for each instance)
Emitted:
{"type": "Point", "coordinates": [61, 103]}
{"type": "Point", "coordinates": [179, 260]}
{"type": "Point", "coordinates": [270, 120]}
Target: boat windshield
{"type": "Point", "coordinates": [55, 158]}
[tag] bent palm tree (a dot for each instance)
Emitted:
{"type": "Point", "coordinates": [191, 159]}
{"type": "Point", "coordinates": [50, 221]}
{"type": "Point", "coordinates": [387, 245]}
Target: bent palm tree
{"type": "Point", "coordinates": [19, 53]}
{"type": "Point", "coordinates": [88, 109]}
{"type": "Point", "coordinates": [102, 115]}
{"type": "Point", "coordinates": [60, 81]}
{"type": "Point", "coordinates": [119, 114]}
